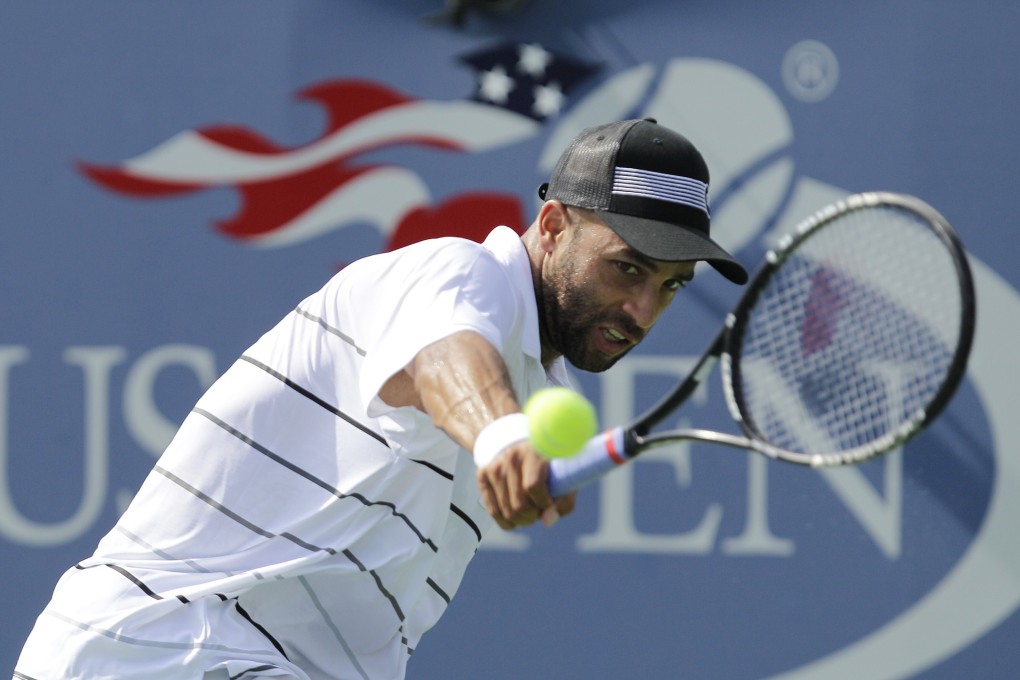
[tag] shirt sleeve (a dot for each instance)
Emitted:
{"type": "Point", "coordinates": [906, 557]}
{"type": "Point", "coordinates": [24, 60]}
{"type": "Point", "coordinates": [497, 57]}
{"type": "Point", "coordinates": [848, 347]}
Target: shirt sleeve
{"type": "Point", "coordinates": [457, 287]}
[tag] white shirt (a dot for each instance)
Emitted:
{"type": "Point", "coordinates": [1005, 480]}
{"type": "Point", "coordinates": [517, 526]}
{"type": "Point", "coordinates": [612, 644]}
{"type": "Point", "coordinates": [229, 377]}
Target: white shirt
{"type": "Point", "coordinates": [297, 526]}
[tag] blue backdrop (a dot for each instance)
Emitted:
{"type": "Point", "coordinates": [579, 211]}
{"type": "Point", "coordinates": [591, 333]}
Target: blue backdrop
{"type": "Point", "coordinates": [175, 176]}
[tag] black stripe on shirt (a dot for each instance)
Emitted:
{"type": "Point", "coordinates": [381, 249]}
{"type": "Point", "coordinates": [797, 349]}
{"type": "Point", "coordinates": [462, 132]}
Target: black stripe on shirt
{"type": "Point", "coordinates": [318, 400]}
{"type": "Point", "coordinates": [467, 520]}
{"type": "Point", "coordinates": [260, 628]}
{"type": "Point", "coordinates": [214, 503]}
{"type": "Point", "coordinates": [330, 329]}
{"type": "Point", "coordinates": [435, 468]}
{"type": "Point", "coordinates": [135, 580]}
{"type": "Point", "coordinates": [254, 669]}
{"type": "Point", "coordinates": [378, 582]}
{"type": "Point", "coordinates": [315, 480]}
{"type": "Point", "coordinates": [439, 591]}
{"type": "Point", "coordinates": [131, 577]}
{"type": "Point", "coordinates": [268, 534]}
{"type": "Point", "coordinates": [310, 547]}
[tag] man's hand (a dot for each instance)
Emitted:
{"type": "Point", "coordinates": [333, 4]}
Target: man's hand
{"type": "Point", "coordinates": [462, 383]}
{"type": "Point", "coordinates": [515, 492]}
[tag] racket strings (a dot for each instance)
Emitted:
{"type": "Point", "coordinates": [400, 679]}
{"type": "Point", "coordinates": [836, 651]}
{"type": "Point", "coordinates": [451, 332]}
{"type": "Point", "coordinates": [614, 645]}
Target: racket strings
{"type": "Point", "coordinates": [853, 335]}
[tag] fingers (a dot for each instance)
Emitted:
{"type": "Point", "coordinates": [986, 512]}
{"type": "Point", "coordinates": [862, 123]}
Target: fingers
{"type": "Point", "coordinates": [515, 492]}
{"type": "Point", "coordinates": [565, 504]}
{"type": "Point", "coordinates": [504, 492]}
{"type": "Point", "coordinates": [561, 507]}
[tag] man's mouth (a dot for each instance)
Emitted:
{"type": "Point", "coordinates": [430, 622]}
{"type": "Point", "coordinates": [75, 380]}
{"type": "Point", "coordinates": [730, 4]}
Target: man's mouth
{"type": "Point", "coordinates": [614, 335]}
{"type": "Point", "coordinates": [613, 340]}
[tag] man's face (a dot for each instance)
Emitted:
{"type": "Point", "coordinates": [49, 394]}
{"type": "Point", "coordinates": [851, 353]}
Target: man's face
{"type": "Point", "coordinates": [599, 296]}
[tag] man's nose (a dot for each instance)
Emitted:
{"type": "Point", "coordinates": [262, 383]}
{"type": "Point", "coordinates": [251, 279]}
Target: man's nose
{"type": "Point", "coordinates": [644, 307]}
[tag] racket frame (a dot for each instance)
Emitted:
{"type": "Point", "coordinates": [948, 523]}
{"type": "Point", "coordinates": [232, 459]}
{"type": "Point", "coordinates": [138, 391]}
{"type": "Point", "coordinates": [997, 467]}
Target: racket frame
{"type": "Point", "coordinates": [620, 444]}
{"type": "Point", "coordinates": [912, 424]}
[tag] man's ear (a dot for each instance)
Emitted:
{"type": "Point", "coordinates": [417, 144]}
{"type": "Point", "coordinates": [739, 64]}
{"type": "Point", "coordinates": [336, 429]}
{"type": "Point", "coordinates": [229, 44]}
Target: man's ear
{"type": "Point", "coordinates": [553, 221]}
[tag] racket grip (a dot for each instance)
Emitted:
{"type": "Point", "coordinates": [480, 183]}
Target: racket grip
{"type": "Point", "coordinates": [602, 453]}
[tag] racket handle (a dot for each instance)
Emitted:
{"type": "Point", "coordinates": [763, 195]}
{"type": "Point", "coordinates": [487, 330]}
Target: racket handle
{"type": "Point", "coordinates": [602, 453]}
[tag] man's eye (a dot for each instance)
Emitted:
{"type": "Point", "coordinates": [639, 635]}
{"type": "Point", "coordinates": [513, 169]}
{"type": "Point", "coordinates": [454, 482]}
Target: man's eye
{"type": "Point", "coordinates": [627, 268]}
{"type": "Point", "coordinates": [676, 284]}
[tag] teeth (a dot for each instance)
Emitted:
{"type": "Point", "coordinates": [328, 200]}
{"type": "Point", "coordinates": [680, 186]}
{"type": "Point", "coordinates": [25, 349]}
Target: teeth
{"type": "Point", "coordinates": [614, 335]}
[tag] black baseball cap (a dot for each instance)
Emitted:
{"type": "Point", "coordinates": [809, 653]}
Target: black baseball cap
{"type": "Point", "coordinates": [649, 184]}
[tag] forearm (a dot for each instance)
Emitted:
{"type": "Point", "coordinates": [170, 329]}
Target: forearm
{"type": "Point", "coordinates": [463, 385]}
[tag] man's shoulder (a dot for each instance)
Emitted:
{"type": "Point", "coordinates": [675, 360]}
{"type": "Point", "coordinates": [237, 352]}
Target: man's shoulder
{"type": "Point", "coordinates": [453, 254]}
{"type": "Point", "coordinates": [456, 260]}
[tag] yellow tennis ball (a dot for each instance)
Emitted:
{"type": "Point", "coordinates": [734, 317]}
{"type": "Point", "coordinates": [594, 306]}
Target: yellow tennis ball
{"type": "Point", "coordinates": [560, 421]}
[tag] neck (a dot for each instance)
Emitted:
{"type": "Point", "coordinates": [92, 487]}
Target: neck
{"type": "Point", "coordinates": [537, 258]}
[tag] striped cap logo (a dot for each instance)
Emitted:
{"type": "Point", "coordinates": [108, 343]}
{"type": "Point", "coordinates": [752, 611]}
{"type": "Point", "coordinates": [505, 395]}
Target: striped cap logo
{"type": "Point", "coordinates": [662, 187]}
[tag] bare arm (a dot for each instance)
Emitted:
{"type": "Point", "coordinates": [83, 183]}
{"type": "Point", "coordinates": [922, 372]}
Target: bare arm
{"type": "Point", "coordinates": [462, 383]}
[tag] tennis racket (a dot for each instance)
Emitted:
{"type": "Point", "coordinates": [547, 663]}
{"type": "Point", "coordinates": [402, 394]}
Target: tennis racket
{"type": "Point", "coordinates": [849, 340]}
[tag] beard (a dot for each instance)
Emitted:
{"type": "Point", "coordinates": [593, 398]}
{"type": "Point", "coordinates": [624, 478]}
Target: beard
{"type": "Point", "coordinates": [571, 316]}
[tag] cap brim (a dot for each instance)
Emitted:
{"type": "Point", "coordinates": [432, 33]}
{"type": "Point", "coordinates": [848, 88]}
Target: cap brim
{"type": "Point", "coordinates": [673, 243]}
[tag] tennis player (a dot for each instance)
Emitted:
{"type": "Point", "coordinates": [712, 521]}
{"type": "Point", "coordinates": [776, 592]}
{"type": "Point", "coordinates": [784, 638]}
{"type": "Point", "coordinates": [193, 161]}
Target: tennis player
{"type": "Point", "coordinates": [316, 511]}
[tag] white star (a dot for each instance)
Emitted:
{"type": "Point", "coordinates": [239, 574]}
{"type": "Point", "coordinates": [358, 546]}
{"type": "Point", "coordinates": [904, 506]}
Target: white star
{"type": "Point", "coordinates": [548, 99]}
{"type": "Point", "coordinates": [495, 85]}
{"type": "Point", "coordinates": [533, 60]}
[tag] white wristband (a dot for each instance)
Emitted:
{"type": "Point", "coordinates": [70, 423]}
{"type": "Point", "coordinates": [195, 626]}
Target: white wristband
{"type": "Point", "coordinates": [498, 435]}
